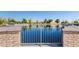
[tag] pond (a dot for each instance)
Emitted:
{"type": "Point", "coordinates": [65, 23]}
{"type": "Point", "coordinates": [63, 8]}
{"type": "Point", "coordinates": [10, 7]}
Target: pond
{"type": "Point", "coordinates": [42, 35]}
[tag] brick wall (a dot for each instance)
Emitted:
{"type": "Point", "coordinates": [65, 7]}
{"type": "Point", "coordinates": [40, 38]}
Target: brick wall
{"type": "Point", "coordinates": [71, 38]}
{"type": "Point", "coordinates": [9, 39]}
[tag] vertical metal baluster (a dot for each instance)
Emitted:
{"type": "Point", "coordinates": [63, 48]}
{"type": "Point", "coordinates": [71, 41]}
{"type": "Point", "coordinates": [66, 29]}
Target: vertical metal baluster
{"type": "Point", "coordinates": [36, 36]}
{"type": "Point", "coordinates": [39, 34]}
{"type": "Point", "coordinates": [28, 35]}
{"type": "Point", "coordinates": [31, 36]}
{"type": "Point", "coordinates": [44, 36]}
{"type": "Point", "coordinates": [53, 37]}
{"type": "Point", "coordinates": [41, 37]}
{"type": "Point", "coordinates": [33, 40]}
{"type": "Point", "coordinates": [50, 37]}
{"type": "Point", "coordinates": [21, 37]}
{"type": "Point", "coordinates": [59, 38]}
{"type": "Point", "coordinates": [25, 37]}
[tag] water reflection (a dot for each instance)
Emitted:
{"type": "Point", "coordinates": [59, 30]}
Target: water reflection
{"type": "Point", "coordinates": [45, 27]}
{"type": "Point", "coordinates": [57, 27]}
{"type": "Point", "coordinates": [30, 27]}
{"type": "Point", "coordinates": [48, 27]}
{"type": "Point", "coordinates": [36, 26]}
{"type": "Point", "coordinates": [24, 27]}
{"type": "Point", "coordinates": [45, 34]}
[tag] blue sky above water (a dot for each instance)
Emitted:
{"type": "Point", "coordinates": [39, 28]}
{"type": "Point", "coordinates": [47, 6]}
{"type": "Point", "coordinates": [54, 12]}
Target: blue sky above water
{"type": "Point", "coordinates": [41, 15]}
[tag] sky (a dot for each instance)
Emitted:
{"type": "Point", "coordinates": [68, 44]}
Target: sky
{"type": "Point", "coordinates": [41, 15]}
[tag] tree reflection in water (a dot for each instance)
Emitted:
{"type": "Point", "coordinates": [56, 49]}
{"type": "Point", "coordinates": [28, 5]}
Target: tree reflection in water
{"type": "Point", "coordinates": [24, 27]}
{"type": "Point", "coordinates": [30, 27]}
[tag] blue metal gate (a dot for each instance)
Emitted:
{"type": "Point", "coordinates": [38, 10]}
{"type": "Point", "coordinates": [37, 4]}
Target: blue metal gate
{"type": "Point", "coordinates": [42, 36]}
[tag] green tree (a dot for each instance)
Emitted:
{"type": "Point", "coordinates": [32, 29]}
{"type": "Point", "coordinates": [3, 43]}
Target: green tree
{"type": "Point", "coordinates": [11, 21]}
{"type": "Point", "coordinates": [57, 20]}
{"type": "Point", "coordinates": [75, 22]}
{"type": "Point", "coordinates": [1, 21]}
{"type": "Point", "coordinates": [30, 21]}
{"type": "Point", "coordinates": [5, 21]}
{"type": "Point", "coordinates": [45, 21]}
{"type": "Point", "coordinates": [24, 20]}
{"type": "Point", "coordinates": [50, 20]}
{"type": "Point", "coordinates": [64, 22]}
{"type": "Point", "coordinates": [37, 22]}
{"type": "Point", "coordinates": [18, 22]}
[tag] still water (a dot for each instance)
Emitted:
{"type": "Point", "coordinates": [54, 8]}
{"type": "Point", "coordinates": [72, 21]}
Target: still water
{"type": "Point", "coordinates": [45, 35]}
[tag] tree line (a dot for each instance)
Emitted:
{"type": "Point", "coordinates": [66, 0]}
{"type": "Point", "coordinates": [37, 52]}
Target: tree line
{"type": "Point", "coordinates": [24, 21]}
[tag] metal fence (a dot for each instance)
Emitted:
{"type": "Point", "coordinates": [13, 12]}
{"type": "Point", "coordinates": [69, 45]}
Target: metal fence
{"type": "Point", "coordinates": [41, 36]}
